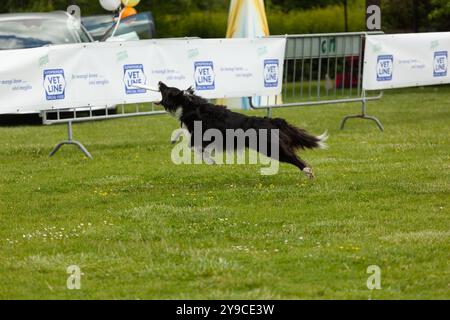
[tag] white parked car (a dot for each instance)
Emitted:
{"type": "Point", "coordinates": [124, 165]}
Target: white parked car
{"type": "Point", "coordinates": [32, 30]}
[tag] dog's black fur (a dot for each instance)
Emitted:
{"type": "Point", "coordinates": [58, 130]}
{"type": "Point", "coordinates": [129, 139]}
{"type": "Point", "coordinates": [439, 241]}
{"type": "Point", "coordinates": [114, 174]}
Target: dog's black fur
{"type": "Point", "coordinates": [188, 108]}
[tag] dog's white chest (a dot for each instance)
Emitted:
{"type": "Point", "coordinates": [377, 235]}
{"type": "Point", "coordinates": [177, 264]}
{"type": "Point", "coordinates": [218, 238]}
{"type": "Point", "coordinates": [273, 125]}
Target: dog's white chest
{"type": "Point", "coordinates": [178, 113]}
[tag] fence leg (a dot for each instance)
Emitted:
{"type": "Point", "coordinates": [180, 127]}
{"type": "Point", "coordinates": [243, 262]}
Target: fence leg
{"type": "Point", "coordinates": [363, 115]}
{"type": "Point", "coordinates": [269, 113]}
{"type": "Point", "coordinates": [70, 141]}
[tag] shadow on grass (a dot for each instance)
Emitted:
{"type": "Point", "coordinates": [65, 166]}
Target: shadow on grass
{"type": "Point", "coordinates": [13, 120]}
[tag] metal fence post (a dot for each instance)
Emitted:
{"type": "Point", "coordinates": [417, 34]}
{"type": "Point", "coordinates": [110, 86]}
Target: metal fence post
{"type": "Point", "coordinates": [363, 115]}
{"type": "Point", "coordinates": [70, 141]}
{"type": "Point", "coordinates": [88, 116]}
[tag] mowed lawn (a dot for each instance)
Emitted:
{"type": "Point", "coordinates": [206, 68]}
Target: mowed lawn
{"type": "Point", "coordinates": [140, 227]}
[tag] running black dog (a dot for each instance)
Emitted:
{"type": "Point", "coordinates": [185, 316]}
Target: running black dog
{"type": "Point", "coordinates": [188, 108]}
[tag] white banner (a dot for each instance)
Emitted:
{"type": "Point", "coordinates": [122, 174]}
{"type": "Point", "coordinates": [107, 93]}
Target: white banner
{"type": "Point", "coordinates": [99, 74]}
{"type": "Point", "coordinates": [406, 60]}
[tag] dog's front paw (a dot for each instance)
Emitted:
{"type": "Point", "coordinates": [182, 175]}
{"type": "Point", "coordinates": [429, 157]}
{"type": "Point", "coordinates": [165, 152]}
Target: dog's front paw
{"type": "Point", "coordinates": [175, 139]}
{"type": "Point", "coordinates": [309, 172]}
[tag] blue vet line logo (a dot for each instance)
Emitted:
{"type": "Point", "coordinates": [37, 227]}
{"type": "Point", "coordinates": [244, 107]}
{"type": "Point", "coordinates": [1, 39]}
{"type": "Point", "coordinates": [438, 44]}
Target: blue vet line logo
{"type": "Point", "coordinates": [271, 71]}
{"type": "Point", "coordinates": [440, 65]}
{"type": "Point", "coordinates": [385, 67]}
{"type": "Point", "coordinates": [54, 84]}
{"type": "Point", "coordinates": [134, 74]}
{"type": "Point", "coordinates": [204, 75]}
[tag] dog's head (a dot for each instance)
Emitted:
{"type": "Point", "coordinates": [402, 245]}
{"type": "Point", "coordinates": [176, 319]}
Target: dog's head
{"type": "Point", "coordinates": [172, 97]}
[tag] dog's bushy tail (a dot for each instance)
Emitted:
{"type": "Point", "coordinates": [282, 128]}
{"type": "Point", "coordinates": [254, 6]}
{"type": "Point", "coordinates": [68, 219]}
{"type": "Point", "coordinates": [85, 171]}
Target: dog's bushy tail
{"type": "Point", "coordinates": [300, 138]}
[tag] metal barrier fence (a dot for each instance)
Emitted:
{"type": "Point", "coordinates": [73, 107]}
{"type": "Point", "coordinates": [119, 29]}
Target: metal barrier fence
{"type": "Point", "coordinates": [95, 113]}
{"type": "Point", "coordinates": [322, 69]}
{"type": "Point", "coordinates": [74, 115]}
{"type": "Point", "coordinates": [318, 69]}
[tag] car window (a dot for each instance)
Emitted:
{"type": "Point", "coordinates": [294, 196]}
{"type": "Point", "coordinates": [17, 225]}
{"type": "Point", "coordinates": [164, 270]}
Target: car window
{"type": "Point", "coordinates": [83, 35]}
{"type": "Point", "coordinates": [141, 24]}
{"type": "Point", "coordinates": [98, 25]}
{"type": "Point", "coordinates": [32, 33]}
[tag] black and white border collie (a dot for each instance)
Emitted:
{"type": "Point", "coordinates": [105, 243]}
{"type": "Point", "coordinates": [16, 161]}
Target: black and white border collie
{"type": "Point", "coordinates": [188, 108]}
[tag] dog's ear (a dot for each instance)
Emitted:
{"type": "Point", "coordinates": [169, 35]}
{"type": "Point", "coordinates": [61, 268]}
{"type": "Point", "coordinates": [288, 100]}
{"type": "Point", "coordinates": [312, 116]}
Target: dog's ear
{"type": "Point", "coordinates": [190, 90]}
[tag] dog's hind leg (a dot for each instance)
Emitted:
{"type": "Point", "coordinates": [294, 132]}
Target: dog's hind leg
{"type": "Point", "coordinates": [309, 172]}
{"type": "Point", "coordinates": [289, 156]}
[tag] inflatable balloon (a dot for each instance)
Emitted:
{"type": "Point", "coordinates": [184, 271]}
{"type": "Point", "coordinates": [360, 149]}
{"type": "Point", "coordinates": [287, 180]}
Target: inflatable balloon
{"type": "Point", "coordinates": [130, 3]}
{"type": "Point", "coordinates": [128, 11]}
{"type": "Point", "coordinates": [110, 5]}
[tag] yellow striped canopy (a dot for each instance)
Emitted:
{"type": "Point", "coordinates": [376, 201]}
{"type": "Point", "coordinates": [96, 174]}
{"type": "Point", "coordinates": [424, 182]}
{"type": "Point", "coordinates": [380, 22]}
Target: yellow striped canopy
{"type": "Point", "coordinates": [247, 19]}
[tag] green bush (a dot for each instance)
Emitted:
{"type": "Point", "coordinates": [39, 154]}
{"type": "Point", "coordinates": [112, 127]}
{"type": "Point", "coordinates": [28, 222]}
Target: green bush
{"type": "Point", "coordinates": [318, 20]}
{"type": "Point", "coordinates": [214, 24]}
{"type": "Point", "coordinates": [193, 24]}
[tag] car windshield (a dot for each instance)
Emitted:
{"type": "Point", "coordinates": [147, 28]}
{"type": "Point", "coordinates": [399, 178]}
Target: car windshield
{"type": "Point", "coordinates": [32, 33]}
{"type": "Point", "coordinates": [98, 25]}
{"type": "Point", "coordinates": [141, 24]}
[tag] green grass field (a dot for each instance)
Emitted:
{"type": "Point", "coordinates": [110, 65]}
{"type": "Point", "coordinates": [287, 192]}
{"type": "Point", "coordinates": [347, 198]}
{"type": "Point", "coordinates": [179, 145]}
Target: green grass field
{"type": "Point", "coordinates": [140, 227]}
